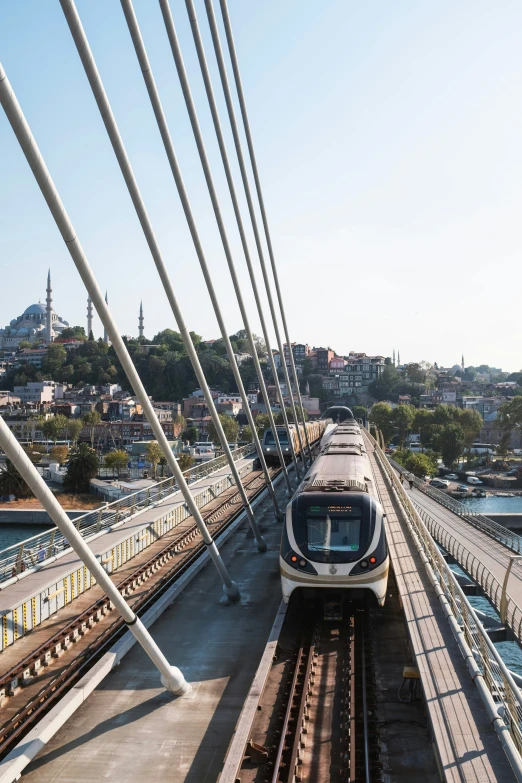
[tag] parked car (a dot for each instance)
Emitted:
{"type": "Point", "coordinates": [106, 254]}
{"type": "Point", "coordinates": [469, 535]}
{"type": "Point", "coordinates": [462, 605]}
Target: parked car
{"type": "Point", "coordinates": [474, 480]}
{"type": "Point", "coordinates": [463, 487]}
{"type": "Point", "coordinates": [451, 477]}
{"type": "Point", "coordinates": [439, 483]}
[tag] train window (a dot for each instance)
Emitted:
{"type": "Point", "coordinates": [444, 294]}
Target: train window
{"type": "Point", "coordinates": [333, 529]}
{"type": "Point", "coordinates": [270, 440]}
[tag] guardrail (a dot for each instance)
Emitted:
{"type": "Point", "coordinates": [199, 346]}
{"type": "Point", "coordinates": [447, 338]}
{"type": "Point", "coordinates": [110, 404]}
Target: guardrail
{"type": "Point", "coordinates": [502, 695]}
{"type": "Point", "coordinates": [33, 551]}
{"type": "Point", "coordinates": [485, 524]}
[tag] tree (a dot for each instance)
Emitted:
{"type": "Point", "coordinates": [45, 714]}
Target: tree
{"type": "Point", "coordinates": [419, 464]}
{"type": "Point", "coordinates": [381, 417]}
{"type": "Point", "coordinates": [415, 373]}
{"type": "Point", "coordinates": [33, 453]}
{"type": "Point", "coordinates": [74, 429]}
{"type": "Point", "coordinates": [262, 423]}
{"type": "Point", "coordinates": [154, 454]}
{"type": "Point", "coordinates": [24, 344]}
{"type": "Point", "coordinates": [402, 419]}
{"type": "Point", "coordinates": [59, 454]}
{"type": "Point", "coordinates": [11, 482]}
{"type": "Point", "coordinates": [230, 428]}
{"type": "Point", "coordinates": [191, 434]}
{"type": "Point", "coordinates": [246, 434]}
{"type": "Point", "coordinates": [83, 466]}
{"type": "Point", "coordinates": [451, 444]}
{"type": "Point", "coordinates": [384, 388]}
{"type": "Point", "coordinates": [116, 460]}
{"type": "Point", "coordinates": [422, 423]}
{"type": "Point", "coordinates": [510, 415]}
{"type": "Point", "coordinates": [185, 461]}
{"type": "Point", "coordinates": [290, 415]}
{"type": "Point", "coordinates": [471, 424]}
{"type": "Point", "coordinates": [73, 333]}
{"type": "Point", "coordinates": [179, 424]}
{"type": "Point", "coordinates": [444, 414]}
{"type": "Point", "coordinates": [359, 411]}
{"type": "Point", "coordinates": [54, 360]}
{"type": "Point", "coordinates": [54, 427]}
{"type": "Point", "coordinates": [91, 420]}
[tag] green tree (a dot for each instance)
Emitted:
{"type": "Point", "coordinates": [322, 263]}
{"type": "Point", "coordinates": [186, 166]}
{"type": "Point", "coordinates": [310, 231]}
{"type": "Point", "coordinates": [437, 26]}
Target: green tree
{"type": "Point", "coordinates": [359, 411]}
{"type": "Point", "coordinates": [509, 415]}
{"type": "Point", "coordinates": [34, 453]}
{"type": "Point", "coordinates": [419, 464]}
{"type": "Point", "coordinates": [385, 387]}
{"type": "Point", "coordinates": [451, 444]}
{"type": "Point", "coordinates": [91, 420]}
{"type": "Point", "coordinates": [179, 424]}
{"type": "Point", "coordinates": [415, 373]}
{"type": "Point", "coordinates": [74, 429]}
{"type": "Point", "coordinates": [54, 427]}
{"type": "Point", "coordinates": [59, 454]}
{"type": "Point", "coordinates": [246, 434]}
{"type": "Point", "coordinates": [422, 423]}
{"type": "Point", "coordinates": [24, 344]}
{"type": "Point", "coordinates": [444, 414]}
{"type": "Point", "coordinates": [74, 333]}
{"type": "Point", "coordinates": [11, 482]}
{"type": "Point", "coordinates": [290, 415]}
{"type": "Point", "coordinates": [82, 467]}
{"type": "Point", "coordinates": [381, 417]}
{"type": "Point", "coordinates": [191, 434]}
{"type": "Point", "coordinates": [262, 423]}
{"type": "Point", "coordinates": [54, 360]}
{"type": "Point", "coordinates": [185, 461]}
{"type": "Point", "coordinates": [116, 460]}
{"type": "Point", "coordinates": [230, 428]}
{"type": "Point", "coordinates": [154, 454]}
{"type": "Point", "coordinates": [471, 424]}
{"type": "Point", "coordinates": [402, 419]}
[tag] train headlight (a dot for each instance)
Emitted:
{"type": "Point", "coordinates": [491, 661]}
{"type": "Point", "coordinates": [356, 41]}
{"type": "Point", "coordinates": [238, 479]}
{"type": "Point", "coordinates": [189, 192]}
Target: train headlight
{"type": "Point", "coordinates": [364, 564]}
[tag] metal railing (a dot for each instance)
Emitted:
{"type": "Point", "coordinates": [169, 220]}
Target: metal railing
{"type": "Point", "coordinates": [35, 550]}
{"type": "Point", "coordinates": [484, 524]}
{"type": "Point", "coordinates": [505, 696]}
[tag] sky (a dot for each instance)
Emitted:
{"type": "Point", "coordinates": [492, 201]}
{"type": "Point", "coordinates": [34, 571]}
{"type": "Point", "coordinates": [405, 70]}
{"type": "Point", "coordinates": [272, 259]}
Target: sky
{"type": "Point", "coordinates": [388, 143]}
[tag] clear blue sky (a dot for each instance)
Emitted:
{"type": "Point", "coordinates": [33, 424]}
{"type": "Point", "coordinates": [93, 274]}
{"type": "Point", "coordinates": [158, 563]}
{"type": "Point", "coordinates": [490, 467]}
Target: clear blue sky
{"type": "Point", "coordinates": [388, 138]}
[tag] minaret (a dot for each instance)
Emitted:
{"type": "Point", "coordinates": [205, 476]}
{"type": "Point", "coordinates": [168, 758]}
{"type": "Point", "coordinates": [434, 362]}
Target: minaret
{"type": "Point", "coordinates": [462, 364]}
{"type": "Point", "coordinates": [398, 358]}
{"type": "Point", "coordinates": [394, 357]}
{"type": "Point", "coordinates": [49, 311]}
{"type": "Point", "coordinates": [89, 317]}
{"type": "Point", "coordinates": [105, 335]}
{"type": "Point", "coordinates": [140, 321]}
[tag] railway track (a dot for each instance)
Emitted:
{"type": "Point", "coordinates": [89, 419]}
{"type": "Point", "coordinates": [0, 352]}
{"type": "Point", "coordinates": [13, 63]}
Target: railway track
{"type": "Point", "coordinates": [321, 727]}
{"type": "Point", "coordinates": [34, 685]}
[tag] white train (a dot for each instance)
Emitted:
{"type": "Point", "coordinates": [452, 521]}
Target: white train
{"type": "Point", "coordinates": [334, 539]}
{"type": "Point", "coordinates": [314, 430]}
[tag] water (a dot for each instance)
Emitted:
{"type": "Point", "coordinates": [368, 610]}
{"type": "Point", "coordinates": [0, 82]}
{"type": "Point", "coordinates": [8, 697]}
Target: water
{"type": "Point", "coordinates": [510, 652]}
{"type": "Point", "coordinates": [492, 505]}
{"type": "Point", "coordinates": [13, 533]}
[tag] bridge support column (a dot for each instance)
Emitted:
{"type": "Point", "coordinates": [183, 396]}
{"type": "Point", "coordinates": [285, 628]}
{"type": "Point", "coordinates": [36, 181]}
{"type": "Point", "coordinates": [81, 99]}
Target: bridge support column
{"type": "Point", "coordinates": [171, 677]}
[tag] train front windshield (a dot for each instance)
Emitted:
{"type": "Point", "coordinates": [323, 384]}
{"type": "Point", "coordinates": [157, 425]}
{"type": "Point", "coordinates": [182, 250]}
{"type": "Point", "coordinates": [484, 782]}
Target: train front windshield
{"type": "Point", "coordinates": [337, 531]}
{"type": "Point", "coordinates": [270, 440]}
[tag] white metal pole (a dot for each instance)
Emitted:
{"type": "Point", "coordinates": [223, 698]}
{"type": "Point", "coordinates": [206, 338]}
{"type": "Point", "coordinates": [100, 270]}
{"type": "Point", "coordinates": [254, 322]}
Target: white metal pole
{"type": "Point", "coordinates": [191, 10]}
{"type": "Point", "coordinates": [185, 87]}
{"type": "Point", "coordinates": [91, 71]}
{"type": "Point", "coordinates": [152, 90]}
{"type": "Point", "coordinates": [34, 157]}
{"type": "Point", "coordinates": [171, 676]}
{"type": "Point", "coordinates": [250, 144]}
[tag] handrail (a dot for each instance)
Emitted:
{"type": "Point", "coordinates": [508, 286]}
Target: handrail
{"type": "Point", "coordinates": [33, 551]}
{"type": "Point", "coordinates": [485, 524]}
{"type": "Point", "coordinates": [496, 677]}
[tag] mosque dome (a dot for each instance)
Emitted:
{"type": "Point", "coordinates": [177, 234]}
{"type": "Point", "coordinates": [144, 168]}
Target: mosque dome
{"type": "Point", "coordinates": [35, 309]}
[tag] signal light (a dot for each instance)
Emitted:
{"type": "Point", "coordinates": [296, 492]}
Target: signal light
{"type": "Point", "coordinates": [294, 558]}
{"type": "Point", "coordinates": [373, 559]}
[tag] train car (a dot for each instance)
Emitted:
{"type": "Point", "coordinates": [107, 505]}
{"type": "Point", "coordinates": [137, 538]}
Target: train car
{"type": "Point", "coordinates": [338, 414]}
{"type": "Point", "coordinates": [334, 543]}
{"type": "Point", "coordinates": [314, 430]}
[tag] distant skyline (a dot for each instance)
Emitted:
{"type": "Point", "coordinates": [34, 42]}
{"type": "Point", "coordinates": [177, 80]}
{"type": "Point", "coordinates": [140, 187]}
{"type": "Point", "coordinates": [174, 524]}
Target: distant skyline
{"type": "Point", "coordinates": [387, 137]}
